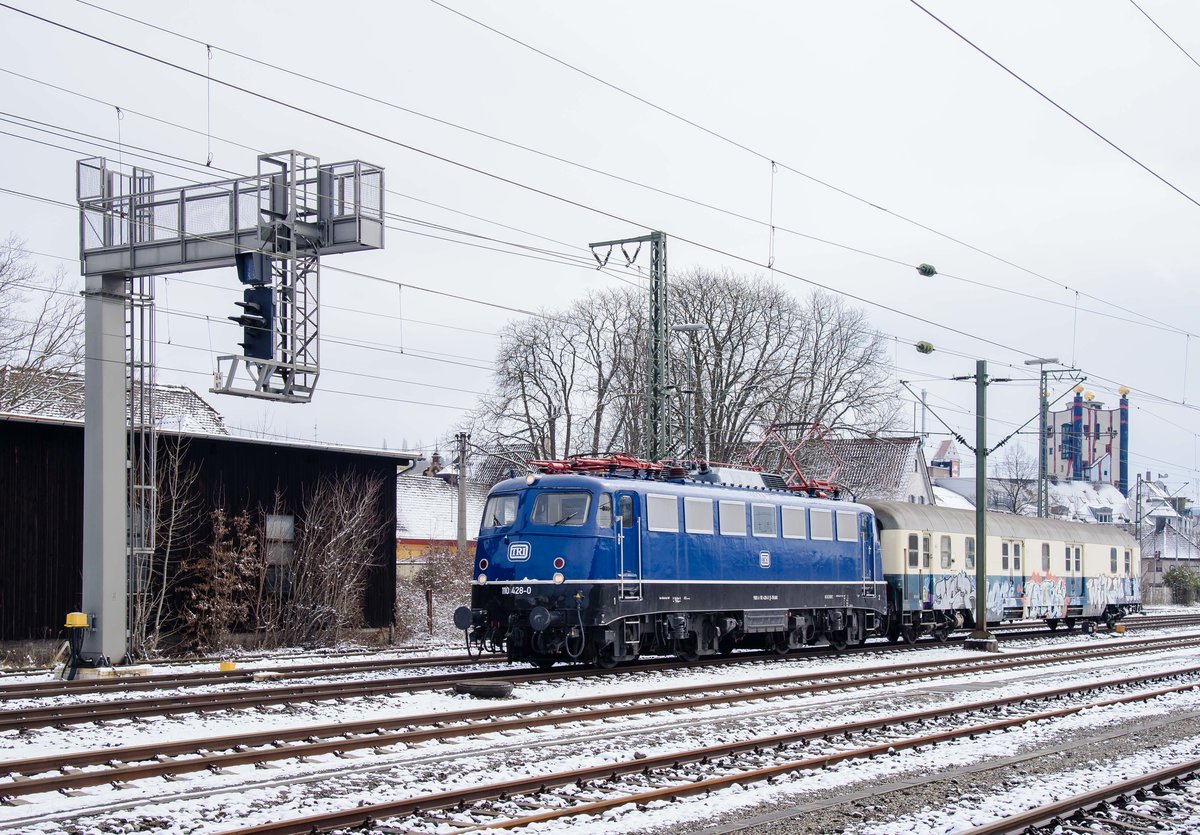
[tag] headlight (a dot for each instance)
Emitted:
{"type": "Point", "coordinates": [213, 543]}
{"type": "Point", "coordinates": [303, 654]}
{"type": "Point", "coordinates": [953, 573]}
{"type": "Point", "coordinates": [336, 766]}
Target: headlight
{"type": "Point", "coordinates": [558, 578]}
{"type": "Point", "coordinates": [482, 579]}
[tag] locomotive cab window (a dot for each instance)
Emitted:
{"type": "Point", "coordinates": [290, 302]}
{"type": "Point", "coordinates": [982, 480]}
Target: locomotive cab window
{"type": "Point", "coordinates": [795, 523]}
{"type": "Point", "coordinates": [763, 520]}
{"type": "Point", "coordinates": [567, 509]}
{"type": "Point", "coordinates": [847, 526]}
{"type": "Point", "coordinates": [662, 513]}
{"type": "Point", "coordinates": [947, 553]}
{"type": "Point", "coordinates": [604, 514]}
{"type": "Point", "coordinates": [697, 515]}
{"type": "Point", "coordinates": [500, 512]}
{"type": "Point", "coordinates": [970, 553]}
{"type": "Point", "coordinates": [733, 518]}
{"type": "Point", "coordinates": [821, 524]}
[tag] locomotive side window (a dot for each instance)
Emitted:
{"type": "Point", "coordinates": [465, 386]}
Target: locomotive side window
{"type": "Point", "coordinates": [914, 553]}
{"type": "Point", "coordinates": [970, 553]}
{"type": "Point", "coordinates": [1045, 557]}
{"type": "Point", "coordinates": [500, 512]}
{"type": "Point", "coordinates": [795, 523]}
{"type": "Point", "coordinates": [821, 524]}
{"type": "Point", "coordinates": [697, 515]}
{"type": "Point", "coordinates": [733, 518]}
{"type": "Point", "coordinates": [947, 553]}
{"type": "Point", "coordinates": [1112, 559]}
{"type": "Point", "coordinates": [568, 509]}
{"type": "Point", "coordinates": [926, 551]}
{"type": "Point", "coordinates": [626, 511]}
{"type": "Point", "coordinates": [604, 511]}
{"type": "Point", "coordinates": [847, 526]}
{"type": "Point", "coordinates": [763, 520]}
{"type": "Point", "coordinates": [662, 513]}
{"type": "Point", "coordinates": [1004, 555]}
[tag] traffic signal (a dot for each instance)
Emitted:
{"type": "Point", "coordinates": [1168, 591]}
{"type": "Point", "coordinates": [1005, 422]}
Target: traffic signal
{"type": "Point", "coordinates": [258, 322]}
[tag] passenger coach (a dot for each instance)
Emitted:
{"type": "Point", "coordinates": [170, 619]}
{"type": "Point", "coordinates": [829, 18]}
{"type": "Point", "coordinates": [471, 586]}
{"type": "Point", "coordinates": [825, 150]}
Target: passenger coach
{"type": "Point", "coordinates": [1041, 569]}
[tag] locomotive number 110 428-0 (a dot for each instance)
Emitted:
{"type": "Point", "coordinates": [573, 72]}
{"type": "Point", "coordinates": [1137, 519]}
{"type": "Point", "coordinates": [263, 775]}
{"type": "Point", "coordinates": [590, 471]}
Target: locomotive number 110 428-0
{"type": "Point", "coordinates": [517, 590]}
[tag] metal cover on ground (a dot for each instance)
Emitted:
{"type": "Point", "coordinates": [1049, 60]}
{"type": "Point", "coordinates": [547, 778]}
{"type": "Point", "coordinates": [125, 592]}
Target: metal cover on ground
{"type": "Point", "coordinates": [485, 689]}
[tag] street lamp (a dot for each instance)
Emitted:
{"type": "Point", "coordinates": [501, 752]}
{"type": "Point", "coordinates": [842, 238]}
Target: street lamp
{"type": "Point", "coordinates": [1042, 498]}
{"type": "Point", "coordinates": [691, 329]}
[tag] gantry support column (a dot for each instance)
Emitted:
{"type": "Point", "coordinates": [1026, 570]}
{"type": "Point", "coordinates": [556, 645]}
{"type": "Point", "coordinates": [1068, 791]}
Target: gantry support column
{"type": "Point", "coordinates": [104, 489]}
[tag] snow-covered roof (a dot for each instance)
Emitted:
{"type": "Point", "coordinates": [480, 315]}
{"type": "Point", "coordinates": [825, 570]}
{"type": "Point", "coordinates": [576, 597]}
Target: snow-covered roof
{"type": "Point", "coordinates": [427, 509]}
{"type": "Point", "coordinates": [871, 468]}
{"type": "Point", "coordinates": [1170, 544]}
{"type": "Point", "coordinates": [945, 497]}
{"type": "Point", "coordinates": [1081, 500]}
{"type": "Point", "coordinates": [59, 395]}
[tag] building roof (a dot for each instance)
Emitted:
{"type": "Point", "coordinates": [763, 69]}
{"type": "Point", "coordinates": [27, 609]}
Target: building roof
{"type": "Point", "coordinates": [1170, 544]}
{"type": "Point", "coordinates": [945, 497]}
{"type": "Point", "coordinates": [427, 509]}
{"type": "Point", "coordinates": [59, 395]}
{"type": "Point", "coordinates": [946, 451]}
{"type": "Point", "coordinates": [875, 468]}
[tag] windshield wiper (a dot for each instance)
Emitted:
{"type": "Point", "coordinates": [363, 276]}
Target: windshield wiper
{"type": "Point", "coordinates": [568, 517]}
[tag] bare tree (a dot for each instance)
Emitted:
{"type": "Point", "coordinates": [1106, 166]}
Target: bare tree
{"type": "Point", "coordinates": [575, 382]}
{"type": "Point", "coordinates": [41, 330]}
{"type": "Point", "coordinates": [339, 529]}
{"type": "Point", "coordinates": [1014, 487]}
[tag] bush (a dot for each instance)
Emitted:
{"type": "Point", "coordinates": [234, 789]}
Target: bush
{"type": "Point", "coordinates": [1183, 583]}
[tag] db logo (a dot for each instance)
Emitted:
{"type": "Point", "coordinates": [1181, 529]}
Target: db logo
{"type": "Point", "coordinates": [518, 551]}
{"type": "Point", "coordinates": [764, 559]}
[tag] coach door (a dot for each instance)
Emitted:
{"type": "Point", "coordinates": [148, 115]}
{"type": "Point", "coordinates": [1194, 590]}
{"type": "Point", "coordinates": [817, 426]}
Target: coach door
{"type": "Point", "coordinates": [629, 547]}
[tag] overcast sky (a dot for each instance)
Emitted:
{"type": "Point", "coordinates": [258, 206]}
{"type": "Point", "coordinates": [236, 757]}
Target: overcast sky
{"type": "Point", "coordinates": [895, 114]}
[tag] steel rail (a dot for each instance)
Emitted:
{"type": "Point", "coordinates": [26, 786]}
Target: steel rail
{"type": "Point", "coordinates": [40, 717]}
{"type": "Point", "coordinates": [338, 738]}
{"type": "Point", "coordinates": [1054, 813]}
{"type": "Point", "coordinates": [369, 814]}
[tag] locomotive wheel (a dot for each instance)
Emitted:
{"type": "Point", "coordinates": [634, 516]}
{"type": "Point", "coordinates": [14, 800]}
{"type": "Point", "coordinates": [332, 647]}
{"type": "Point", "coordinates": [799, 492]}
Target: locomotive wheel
{"type": "Point", "coordinates": [909, 633]}
{"type": "Point", "coordinates": [779, 643]}
{"type": "Point", "coordinates": [725, 644]}
{"type": "Point", "coordinates": [605, 658]}
{"type": "Point", "coordinates": [542, 663]}
{"type": "Point", "coordinates": [838, 641]}
{"type": "Point", "coordinates": [1052, 624]}
{"type": "Point", "coordinates": [941, 633]}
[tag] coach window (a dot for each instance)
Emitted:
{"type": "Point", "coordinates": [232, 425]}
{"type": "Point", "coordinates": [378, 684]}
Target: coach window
{"type": "Point", "coordinates": [762, 518]}
{"type": "Point", "coordinates": [847, 526]}
{"type": "Point", "coordinates": [820, 524]}
{"type": "Point", "coordinates": [1016, 556]}
{"type": "Point", "coordinates": [926, 551]}
{"type": "Point", "coordinates": [662, 513]}
{"type": "Point", "coordinates": [1004, 555]}
{"type": "Point", "coordinates": [1112, 560]}
{"type": "Point", "coordinates": [795, 523]}
{"type": "Point", "coordinates": [604, 511]}
{"type": "Point", "coordinates": [1045, 557]}
{"type": "Point", "coordinates": [697, 515]}
{"type": "Point", "coordinates": [1128, 562]}
{"type": "Point", "coordinates": [1067, 558]}
{"type": "Point", "coordinates": [970, 553]}
{"type": "Point", "coordinates": [733, 518]}
{"type": "Point", "coordinates": [947, 554]}
{"type": "Point", "coordinates": [914, 553]}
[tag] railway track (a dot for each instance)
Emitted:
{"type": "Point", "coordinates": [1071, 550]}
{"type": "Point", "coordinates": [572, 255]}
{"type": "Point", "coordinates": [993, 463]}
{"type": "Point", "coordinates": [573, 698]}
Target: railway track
{"type": "Point", "coordinates": [267, 694]}
{"type": "Point", "coordinates": [40, 689]}
{"type": "Point", "coordinates": [639, 782]}
{"type": "Point", "coordinates": [68, 771]}
{"type": "Point", "coordinates": [1139, 804]}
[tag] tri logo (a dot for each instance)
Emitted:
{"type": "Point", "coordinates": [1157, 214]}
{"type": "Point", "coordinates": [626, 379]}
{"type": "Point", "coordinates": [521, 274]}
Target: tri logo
{"type": "Point", "coordinates": [518, 551]}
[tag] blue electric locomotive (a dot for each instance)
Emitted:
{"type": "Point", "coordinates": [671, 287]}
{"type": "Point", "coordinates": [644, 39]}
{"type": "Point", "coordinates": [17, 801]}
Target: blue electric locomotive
{"type": "Point", "coordinates": [601, 560]}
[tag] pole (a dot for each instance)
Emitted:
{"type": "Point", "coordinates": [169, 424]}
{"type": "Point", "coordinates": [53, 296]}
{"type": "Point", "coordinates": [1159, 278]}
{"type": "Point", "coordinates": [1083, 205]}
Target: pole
{"type": "Point", "coordinates": [980, 638]}
{"type": "Point", "coordinates": [105, 568]}
{"type": "Point", "coordinates": [1043, 501]}
{"type": "Point", "coordinates": [463, 437]}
